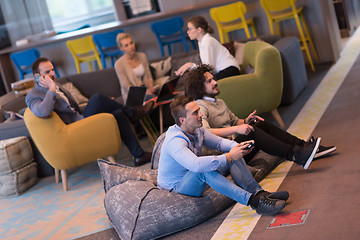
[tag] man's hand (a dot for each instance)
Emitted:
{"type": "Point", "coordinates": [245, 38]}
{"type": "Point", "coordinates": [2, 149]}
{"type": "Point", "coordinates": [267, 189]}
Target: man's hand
{"type": "Point", "coordinates": [47, 82]}
{"type": "Point", "coordinates": [244, 129]}
{"type": "Point", "coordinates": [251, 116]}
{"type": "Point", "coordinates": [237, 152]}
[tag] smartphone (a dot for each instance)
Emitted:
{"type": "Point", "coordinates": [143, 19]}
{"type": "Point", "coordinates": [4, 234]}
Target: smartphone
{"type": "Point", "coordinates": [249, 145]}
{"type": "Point", "coordinates": [253, 120]}
{"type": "Point", "coordinates": [38, 78]}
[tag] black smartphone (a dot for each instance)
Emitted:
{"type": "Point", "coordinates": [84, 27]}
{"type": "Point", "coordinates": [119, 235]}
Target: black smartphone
{"type": "Point", "coordinates": [253, 120]}
{"type": "Point", "coordinates": [250, 144]}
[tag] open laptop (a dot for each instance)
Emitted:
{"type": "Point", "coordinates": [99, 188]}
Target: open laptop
{"type": "Point", "coordinates": [166, 92]}
{"type": "Point", "coordinates": [136, 96]}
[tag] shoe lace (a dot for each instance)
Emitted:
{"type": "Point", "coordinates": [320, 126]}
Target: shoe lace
{"type": "Point", "coordinates": [268, 201]}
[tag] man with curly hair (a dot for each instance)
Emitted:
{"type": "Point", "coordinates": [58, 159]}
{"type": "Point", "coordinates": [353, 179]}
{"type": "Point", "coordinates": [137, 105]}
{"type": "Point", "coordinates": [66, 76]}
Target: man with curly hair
{"type": "Point", "coordinates": [217, 118]}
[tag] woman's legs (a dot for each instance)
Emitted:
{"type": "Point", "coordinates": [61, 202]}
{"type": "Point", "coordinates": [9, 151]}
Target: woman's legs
{"type": "Point", "coordinates": [227, 72]}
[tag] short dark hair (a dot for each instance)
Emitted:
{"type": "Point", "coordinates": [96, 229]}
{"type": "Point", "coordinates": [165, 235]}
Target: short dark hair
{"type": "Point", "coordinates": [194, 81]}
{"type": "Point", "coordinates": [36, 63]}
{"type": "Point", "coordinates": [177, 107]}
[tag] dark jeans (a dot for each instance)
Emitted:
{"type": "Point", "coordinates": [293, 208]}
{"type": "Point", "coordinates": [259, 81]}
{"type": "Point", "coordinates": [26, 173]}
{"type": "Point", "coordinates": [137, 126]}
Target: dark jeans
{"type": "Point", "coordinates": [227, 72]}
{"type": "Point", "coordinates": [101, 104]}
{"type": "Point", "coordinates": [270, 139]}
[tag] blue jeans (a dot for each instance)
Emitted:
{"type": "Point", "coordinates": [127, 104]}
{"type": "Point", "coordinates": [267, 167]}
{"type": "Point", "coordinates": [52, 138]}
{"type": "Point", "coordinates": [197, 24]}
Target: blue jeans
{"type": "Point", "coordinates": [194, 184]}
{"type": "Point", "coordinates": [101, 104]}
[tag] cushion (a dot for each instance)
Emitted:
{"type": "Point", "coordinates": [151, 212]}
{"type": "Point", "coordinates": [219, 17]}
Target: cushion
{"type": "Point", "coordinates": [161, 68]}
{"type": "Point", "coordinates": [114, 174]}
{"type": "Point", "coordinates": [239, 52]}
{"type": "Point", "coordinates": [22, 84]}
{"type": "Point", "coordinates": [79, 98]}
{"type": "Point", "coordinates": [15, 153]}
{"type": "Point", "coordinates": [17, 182]}
{"type": "Point", "coordinates": [230, 46]}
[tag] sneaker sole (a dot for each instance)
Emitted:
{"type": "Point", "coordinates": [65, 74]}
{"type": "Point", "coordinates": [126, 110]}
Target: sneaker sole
{"type": "Point", "coordinates": [323, 153]}
{"type": "Point", "coordinates": [308, 162]}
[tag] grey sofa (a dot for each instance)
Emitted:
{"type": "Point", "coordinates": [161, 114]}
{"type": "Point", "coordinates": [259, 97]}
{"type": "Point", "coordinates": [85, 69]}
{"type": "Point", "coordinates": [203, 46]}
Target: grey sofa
{"type": "Point", "coordinates": [294, 70]}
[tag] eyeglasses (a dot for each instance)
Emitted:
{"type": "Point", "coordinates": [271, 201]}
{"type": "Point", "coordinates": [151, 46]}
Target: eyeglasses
{"type": "Point", "coordinates": [189, 29]}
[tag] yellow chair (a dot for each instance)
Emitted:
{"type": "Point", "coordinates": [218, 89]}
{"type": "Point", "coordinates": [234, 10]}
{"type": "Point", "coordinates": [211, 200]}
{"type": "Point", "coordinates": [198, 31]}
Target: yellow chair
{"type": "Point", "coordinates": [280, 10]}
{"type": "Point", "coordinates": [84, 50]}
{"type": "Point", "coordinates": [261, 90]}
{"type": "Point", "coordinates": [66, 146]}
{"type": "Point", "coordinates": [231, 17]}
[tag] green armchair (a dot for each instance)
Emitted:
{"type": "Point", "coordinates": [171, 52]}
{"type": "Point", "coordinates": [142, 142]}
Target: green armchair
{"type": "Point", "coordinates": [261, 90]}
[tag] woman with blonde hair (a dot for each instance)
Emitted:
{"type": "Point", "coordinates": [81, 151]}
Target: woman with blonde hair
{"type": "Point", "coordinates": [212, 52]}
{"type": "Point", "coordinates": [132, 68]}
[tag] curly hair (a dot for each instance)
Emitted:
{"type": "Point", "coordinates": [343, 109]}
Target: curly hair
{"type": "Point", "coordinates": [194, 81]}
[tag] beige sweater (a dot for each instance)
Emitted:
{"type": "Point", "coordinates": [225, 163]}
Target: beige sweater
{"type": "Point", "coordinates": [127, 77]}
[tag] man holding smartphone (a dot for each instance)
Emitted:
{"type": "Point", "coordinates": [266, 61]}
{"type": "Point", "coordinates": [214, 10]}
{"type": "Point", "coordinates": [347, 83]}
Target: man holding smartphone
{"type": "Point", "coordinates": [48, 96]}
{"type": "Point", "coordinates": [182, 169]}
{"type": "Point", "coordinates": [200, 84]}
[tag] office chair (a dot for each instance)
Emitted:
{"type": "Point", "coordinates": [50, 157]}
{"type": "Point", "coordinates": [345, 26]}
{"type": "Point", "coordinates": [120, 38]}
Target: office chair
{"type": "Point", "coordinates": [84, 50]}
{"type": "Point", "coordinates": [231, 17]}
{"type": "Point", "coordinates": [280, 10]}
{"type": "Point", "coordinates": [24, 59]}
{"type": "Point", "coordinates": [107, 46]}
{"type": "Point", "coordinates": [170, 31]}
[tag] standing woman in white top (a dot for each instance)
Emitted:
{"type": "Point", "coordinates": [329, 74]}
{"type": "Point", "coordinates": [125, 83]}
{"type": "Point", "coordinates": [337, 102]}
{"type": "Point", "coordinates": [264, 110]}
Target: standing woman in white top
{"type": "Point", "coordinates": [212, 52]}
{"type": "Point", "coordinates": [132, 68]}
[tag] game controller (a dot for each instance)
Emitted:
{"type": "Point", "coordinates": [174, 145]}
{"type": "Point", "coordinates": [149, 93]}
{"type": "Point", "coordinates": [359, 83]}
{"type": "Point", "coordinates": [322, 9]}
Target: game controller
{"type": "Point", "coordinates": [253, 120]}
{"type": "Point", "coordinates": [249, 144]}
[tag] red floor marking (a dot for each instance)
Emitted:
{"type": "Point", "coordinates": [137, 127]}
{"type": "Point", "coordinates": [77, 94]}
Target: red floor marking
{"type": "Point", "coordinates": [289, 219]}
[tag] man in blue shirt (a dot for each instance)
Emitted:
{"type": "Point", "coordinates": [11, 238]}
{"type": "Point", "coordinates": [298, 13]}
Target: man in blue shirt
{"type": "Point", "coordinates": [182, 169]}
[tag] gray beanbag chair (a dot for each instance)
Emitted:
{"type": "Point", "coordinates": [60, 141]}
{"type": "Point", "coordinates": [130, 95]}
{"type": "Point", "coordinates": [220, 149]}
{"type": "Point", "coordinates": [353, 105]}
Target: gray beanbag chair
{"type": "Point", "coordinates": [138, 209]}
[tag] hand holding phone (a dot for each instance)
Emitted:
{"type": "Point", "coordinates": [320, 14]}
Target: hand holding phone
{"type": "Point", "coordinates": [248, 144]}
{"type": "Point", "coordinates": [253, 120]}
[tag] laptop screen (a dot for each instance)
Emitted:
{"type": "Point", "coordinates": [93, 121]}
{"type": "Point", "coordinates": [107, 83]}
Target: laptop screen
{"type": "Point", "coordinates": [136, 96]}
{"type": "Point", "coordinates": [167, 90]}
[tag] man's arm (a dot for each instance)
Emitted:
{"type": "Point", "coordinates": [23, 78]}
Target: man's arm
{"type": "Point", "coordinates": [42, 107]}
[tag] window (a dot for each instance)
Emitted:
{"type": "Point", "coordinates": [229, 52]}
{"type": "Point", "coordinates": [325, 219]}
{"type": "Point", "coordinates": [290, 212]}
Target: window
{"type": "Point", "coordinates": [67, 15]}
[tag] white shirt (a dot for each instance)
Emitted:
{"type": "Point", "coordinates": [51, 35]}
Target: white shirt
{"type": "Point", "coordinates": [212, 52]}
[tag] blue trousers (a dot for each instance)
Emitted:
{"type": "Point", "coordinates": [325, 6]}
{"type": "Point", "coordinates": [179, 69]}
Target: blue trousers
{"type": "Point", "coordinates": [101, 104]}
{"type": "Point", "coordinates": [194, 184]}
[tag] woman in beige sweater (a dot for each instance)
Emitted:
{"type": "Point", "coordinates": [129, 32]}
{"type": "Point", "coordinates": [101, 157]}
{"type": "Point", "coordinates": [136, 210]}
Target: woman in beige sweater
{"type": "Point", "coordinates": [132, 68]}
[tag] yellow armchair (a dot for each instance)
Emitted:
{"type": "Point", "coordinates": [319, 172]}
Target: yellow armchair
{"type": "Point", "coordinates": [261, 90]}
{"type": "Point", "coordinates": [66, 146]}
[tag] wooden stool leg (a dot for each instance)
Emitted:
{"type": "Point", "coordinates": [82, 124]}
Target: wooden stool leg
{"type": "Point", "coordinates": [57, 175]}
{"type": "Point", "coordinates": [277, 117]}
{"type": "Point", "coordinates": [111, 159]}
{"type": "Point", "coordinates": [64, 180]}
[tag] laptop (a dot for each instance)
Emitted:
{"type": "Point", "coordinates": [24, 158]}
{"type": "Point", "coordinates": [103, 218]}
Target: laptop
{"type": "Point", "coordinates": [166, 92]}
{"type": "Point", "coordinates": [136, 96]}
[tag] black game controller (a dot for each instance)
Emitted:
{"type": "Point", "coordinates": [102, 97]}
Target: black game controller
{"type": "Point", "coordinates": [253, 120]}
{"type": "Point", "coordinates": [250, 144]}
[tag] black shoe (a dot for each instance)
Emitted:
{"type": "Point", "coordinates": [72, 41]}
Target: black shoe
{"type": "Point", "coordinates": [322, 150]}
{"type": "Point", "coordinates": [145, 158]}
{"type": "Point", "coordinates": [269, 206]}
{"type": "Point", "coordinates": [142, 111]}
{"type": "Point", "coordinates": [280, 195]}
{"type": "Point", "coordinates": [304, 155]}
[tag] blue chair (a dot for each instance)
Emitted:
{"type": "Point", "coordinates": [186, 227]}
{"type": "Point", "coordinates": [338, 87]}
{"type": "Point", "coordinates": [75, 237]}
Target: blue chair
{"type": "Point", "coordinates": [170, 31]}
{"type": "Point", "coordinates": [107, 46]}
{"type": "Point", "coordinates": [23, 61]}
